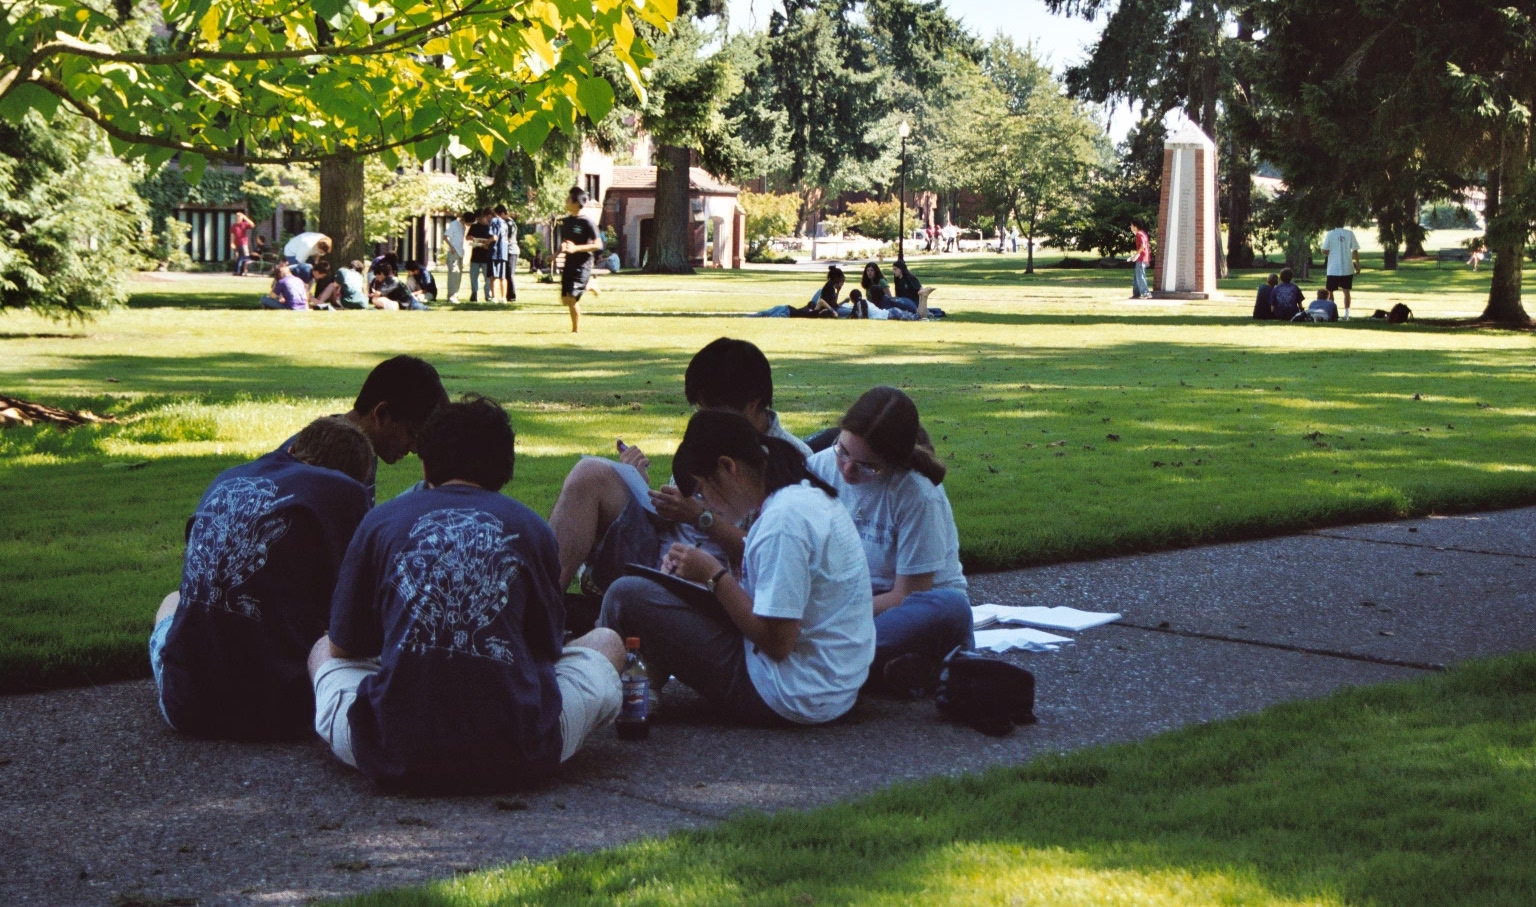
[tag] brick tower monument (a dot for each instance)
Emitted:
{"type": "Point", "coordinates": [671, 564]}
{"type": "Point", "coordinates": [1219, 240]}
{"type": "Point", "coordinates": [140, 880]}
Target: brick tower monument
{"type": "Point", "coordinates": [1186, 223]}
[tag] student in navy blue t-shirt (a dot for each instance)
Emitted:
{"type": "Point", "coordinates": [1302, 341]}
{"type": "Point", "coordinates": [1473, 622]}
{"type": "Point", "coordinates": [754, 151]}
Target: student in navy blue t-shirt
{"type": "Point", "coordinates": [263, 550]}
{"type": "Point", "coordinates": [395, 401]}
{"type": "Point", "coordinates": [443, 668]}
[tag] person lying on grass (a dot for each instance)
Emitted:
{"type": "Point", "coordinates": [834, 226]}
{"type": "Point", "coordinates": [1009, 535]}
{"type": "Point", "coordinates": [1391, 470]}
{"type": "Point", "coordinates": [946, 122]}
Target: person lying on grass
{"type": "Point", "coordinates": [886, 476]}
{"type": "Point", "coordinates": [444, 669]}
{"type": "Point", "coordinates": [605, 516]}
{"type": "Point", "coordinates": [263, 550]}
{"type": "Point", "coordinates": [793, 638]}
{"type": "Point", "coordinates": [395, 400]}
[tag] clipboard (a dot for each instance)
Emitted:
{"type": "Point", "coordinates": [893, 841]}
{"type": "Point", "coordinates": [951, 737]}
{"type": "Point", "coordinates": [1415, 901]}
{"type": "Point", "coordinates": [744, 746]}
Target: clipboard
{"type": "Point", "coordinates": [695, 594]}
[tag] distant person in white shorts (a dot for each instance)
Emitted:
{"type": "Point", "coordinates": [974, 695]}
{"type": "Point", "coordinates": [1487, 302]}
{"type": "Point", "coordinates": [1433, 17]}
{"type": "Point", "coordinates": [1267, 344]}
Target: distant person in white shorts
{"type": "Point", "coordinates": [443, 670]}
{"type": "Point", "coordinates": [1343, 252]}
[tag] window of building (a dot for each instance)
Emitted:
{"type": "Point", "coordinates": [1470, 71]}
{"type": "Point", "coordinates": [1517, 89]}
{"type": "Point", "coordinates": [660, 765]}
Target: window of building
{"type": "Point", "coordinates": [594, 185]}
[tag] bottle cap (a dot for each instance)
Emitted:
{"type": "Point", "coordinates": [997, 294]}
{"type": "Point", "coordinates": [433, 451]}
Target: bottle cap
{"type": "Point", "coordinates": [632, 643]}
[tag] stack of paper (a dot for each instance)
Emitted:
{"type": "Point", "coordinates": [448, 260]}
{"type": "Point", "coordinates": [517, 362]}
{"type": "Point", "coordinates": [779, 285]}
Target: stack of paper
{"type": "Point", "coordinates": [1069, 619]}
{"type": "Point", "coordinates": [1012, 638]}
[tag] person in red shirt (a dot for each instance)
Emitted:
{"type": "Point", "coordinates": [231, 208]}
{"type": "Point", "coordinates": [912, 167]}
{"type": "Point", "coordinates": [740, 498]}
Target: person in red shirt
{"type": "Point", "coordinates": [1140, 258]}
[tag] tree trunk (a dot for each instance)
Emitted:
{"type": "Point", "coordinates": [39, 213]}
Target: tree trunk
{"type": "Point", "coordinates": [1239, 208]}
{"type": "Point", "coordinates": [672, 227]}
{"type": "Point", "coordinates": [1508, 223]}
{"type": "Point", "coordinates": [341, 209]}
{"type": "Point", "coordinates": [1389, 233]}
{"type": "Point", "coordinates": [1413, 233]}
{"type": "Point", "coordinates": [1298, 256]}
{"type": "Point", "coordinates": [1029, 262]}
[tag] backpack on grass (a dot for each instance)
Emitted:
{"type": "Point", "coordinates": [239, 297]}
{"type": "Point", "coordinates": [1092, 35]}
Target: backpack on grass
{"type": "Point", "coordinates": [1400, 313]}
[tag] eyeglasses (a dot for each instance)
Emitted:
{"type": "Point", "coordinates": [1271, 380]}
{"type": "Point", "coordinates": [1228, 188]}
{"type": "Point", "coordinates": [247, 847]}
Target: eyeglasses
{"type": "Point", "coordinates": [865, 470]}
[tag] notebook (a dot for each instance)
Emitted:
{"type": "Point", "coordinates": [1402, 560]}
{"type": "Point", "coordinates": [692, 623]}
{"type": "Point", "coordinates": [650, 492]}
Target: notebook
{"type": "Point", "coordinates": [1069, 619]}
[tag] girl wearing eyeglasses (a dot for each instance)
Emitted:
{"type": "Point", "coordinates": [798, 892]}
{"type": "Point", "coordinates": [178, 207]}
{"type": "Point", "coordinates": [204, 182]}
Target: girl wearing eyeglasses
{"type": "Point", "coordinates": [889, 480]}
{"type": "Point", "coordinates": [792, 639]}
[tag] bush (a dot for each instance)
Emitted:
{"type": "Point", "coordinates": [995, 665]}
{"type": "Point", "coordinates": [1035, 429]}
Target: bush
{"type": "Point", "coordinates": [766, 256]}
{"type": "Point", "coordinates": [878, 220]}
{"type": "Point", "coordinates": [170, 248]}
{"type": "Point", "coordinates": [531, 245]}
{"type": "Point", "coordinates": [768, 215]}
{"type": "Point", "coordinates": [73, 224]}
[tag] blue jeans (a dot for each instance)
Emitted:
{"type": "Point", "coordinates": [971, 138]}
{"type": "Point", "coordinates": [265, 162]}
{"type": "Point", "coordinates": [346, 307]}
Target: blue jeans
{"type": "Point", "coordinates": [899, 302]}
{"type": "Point", "coordinates": [479, 272]}
{"type": "Point", "coordinates": [1139, 280]}
{"type": "Point", "coordinates": [930, 623]}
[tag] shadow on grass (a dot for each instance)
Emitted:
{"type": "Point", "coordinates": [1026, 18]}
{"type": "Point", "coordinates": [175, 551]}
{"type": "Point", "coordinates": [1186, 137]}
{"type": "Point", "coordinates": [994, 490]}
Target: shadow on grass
{"type": "Point", "coordinates": [1054, 453]}
{"type": "Point", "coordinates": [1405, 794]}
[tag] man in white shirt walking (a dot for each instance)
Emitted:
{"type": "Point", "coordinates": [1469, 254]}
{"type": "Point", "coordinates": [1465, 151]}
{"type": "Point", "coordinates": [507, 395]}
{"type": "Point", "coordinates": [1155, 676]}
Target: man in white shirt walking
{"type": "Point", "coordinates": [454, 235]}
{"type": "Point", "coordinates": [1343, 252]}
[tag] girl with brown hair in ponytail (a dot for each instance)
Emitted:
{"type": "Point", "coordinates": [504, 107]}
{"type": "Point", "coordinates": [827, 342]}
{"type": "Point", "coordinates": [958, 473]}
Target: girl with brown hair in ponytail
{"type": "Point", "coordinates": [890, 482]}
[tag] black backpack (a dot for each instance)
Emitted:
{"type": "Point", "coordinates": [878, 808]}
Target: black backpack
{"type": "Point", "coordinates": [986, 693]}
{"type": "Point", "coordinates": [1399, 314]}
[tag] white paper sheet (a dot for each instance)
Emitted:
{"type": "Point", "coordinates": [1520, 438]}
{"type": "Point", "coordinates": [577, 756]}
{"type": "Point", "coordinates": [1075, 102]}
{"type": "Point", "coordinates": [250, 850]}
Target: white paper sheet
{"type": "Point", "coordinates": [1069, 619]}
{"type": "Point", "coordinates": [1011, 638]}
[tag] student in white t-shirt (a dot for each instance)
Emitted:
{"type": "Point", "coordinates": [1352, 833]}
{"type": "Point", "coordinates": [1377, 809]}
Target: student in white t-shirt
{"type": "Point", "coordinates": [792, 639]}
{"type": "Point", "coordinates": [888, 479]}
{"type": "Point", "coordinates": [1343, 252]}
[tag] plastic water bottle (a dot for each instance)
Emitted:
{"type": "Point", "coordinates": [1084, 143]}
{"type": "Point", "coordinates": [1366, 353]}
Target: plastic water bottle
{"type": "Point", "coordinates": [635, 714]}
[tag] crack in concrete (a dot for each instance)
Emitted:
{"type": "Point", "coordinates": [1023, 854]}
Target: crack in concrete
{"type": "Point", "coordinates": [1286, 647]}
{"type": "Point", "coordinates": [1452, 549]}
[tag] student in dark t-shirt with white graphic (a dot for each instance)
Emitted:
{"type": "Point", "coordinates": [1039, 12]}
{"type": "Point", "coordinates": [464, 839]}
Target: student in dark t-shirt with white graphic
{"type": "Point", "coordinates": [579, 238]}
{"type": "Point", "coordinates": [263, 551]}
{"type": "Point", "coordinates": [443, 668]}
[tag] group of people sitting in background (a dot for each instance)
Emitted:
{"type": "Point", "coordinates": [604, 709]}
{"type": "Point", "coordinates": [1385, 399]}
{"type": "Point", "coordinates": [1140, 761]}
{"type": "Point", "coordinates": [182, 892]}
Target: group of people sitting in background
{"type": "Point", "coordinates": [305, 280]}
{"type": "Point", "coordinates": [1280, 299]}
{"type": "Point", "coordinates": [875, 298]}
{"type": "Point", "coordinates": [428, 642]}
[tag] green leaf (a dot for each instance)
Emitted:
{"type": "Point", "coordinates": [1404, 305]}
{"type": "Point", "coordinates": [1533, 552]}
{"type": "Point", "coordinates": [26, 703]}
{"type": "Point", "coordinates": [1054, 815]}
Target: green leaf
{"type": "Point", "coordinates": [531, 135]}
{"type": "Point", "coordinates": [26, 97]}
{"type": "Point", "coordinates": [192, 166]}
{"type": "Point", "coordinates": [596, 97]}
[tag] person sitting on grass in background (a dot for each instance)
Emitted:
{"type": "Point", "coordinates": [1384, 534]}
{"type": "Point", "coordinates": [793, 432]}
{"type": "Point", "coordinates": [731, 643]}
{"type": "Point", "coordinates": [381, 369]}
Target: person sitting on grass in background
{"type": "Point", "coordinates": [1323, 308]}
{"type": "Point", "coordinates": [444, 668]}
{"type": "Point", "coordinates": [420, 282]}
{"type": "Point", "coordinates": [395, 400]}
{"type": "Point", "coordinates": [390, 293]}
{"type": "Point", "coordinates": [908, 287]}
{"type": "Point", "coordinates": [288, 291]}
{"type": "Point", "coordinates": [348, 289]}
{"type": "Point", "coordinates": [792, 640]}
{"type": "Point", "coordinates": [888, 479]}
{"type": "Point", "coordinates": [263, 551]}
{"type": "Point", "coordinates": [879, 292]}
{"type": "Point", "coordinates": [579, 239]}
{"type": "Point", "coordinates": [607, 516]}
{"type": "Point", "coordinates": [324, 287]}
{"type": "Point", "coordinates": [823, 302]}
{"type": "Point", "coordinates": [1264, 302]}
{"type": "Point", "coordinates": [1287, 297]}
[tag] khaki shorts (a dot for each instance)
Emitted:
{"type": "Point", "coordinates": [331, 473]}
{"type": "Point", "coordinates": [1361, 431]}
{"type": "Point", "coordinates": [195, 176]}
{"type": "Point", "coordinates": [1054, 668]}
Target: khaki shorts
{"type": "Point", "coordinates": [590, 696]}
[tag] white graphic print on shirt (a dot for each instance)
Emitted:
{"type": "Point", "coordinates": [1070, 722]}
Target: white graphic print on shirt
{"type": "Point", "coordinates": [455, 583]}
{"type": "Point", "coordinates": [232, 534]}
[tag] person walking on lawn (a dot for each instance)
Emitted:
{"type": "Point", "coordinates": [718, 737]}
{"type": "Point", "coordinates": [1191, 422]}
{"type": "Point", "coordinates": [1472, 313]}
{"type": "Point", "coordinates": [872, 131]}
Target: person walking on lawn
{"type": "Point", "coordinates": [1140, 258]}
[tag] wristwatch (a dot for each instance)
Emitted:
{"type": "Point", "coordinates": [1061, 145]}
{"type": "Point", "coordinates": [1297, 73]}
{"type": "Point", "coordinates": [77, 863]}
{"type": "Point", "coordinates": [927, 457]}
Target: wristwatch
{"type": "Point", "coordinates": [705, 520]}
{"type": "Point", "coordinates": [717, 577]}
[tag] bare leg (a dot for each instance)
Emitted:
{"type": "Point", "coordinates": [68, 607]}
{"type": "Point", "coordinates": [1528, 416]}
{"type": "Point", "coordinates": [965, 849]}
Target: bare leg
{"type": "Point", "coordinates": [922, 301]}
{"type": "Point", "coordinates": [592, 497]}
{"type": "Point", "coordinates": [1346, 303]}
{"type": "Point", "coordinates": [574, 305]}
{"type": "Point", "coordinates": [168, 607]}
{"type": "Point", "coordinates": [319, 654]}
{"type": "Point", "coordinates": [604, 641]}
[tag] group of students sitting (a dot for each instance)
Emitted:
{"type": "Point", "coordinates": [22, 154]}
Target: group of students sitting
{"type": "Point", "coordinates": [302, 286]}
{"type": "Point", "coordinates": [1280, 299]}
{"type": "Point", "coordinates": [427, 640]}
{"type": "Point", "coordinates": [874, 299]}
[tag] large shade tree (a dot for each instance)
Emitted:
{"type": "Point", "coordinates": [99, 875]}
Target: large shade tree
{"type": "Point", "coordinates": [333, 81]}
{"type": "Point", "coordinates": [1424, 93]}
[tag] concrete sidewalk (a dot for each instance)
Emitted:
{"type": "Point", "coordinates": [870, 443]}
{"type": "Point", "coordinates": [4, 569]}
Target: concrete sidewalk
{"type": "Point", "coordinates": [102, 803]}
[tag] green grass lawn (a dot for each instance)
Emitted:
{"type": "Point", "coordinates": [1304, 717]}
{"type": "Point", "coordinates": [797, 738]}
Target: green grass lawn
{"type": "Point", "coordinates": [1076, 423]}
{"type": "Point", "coordinates": [1410, 794]}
